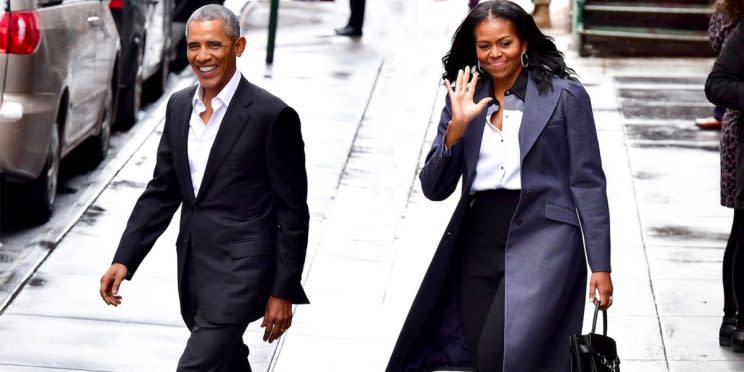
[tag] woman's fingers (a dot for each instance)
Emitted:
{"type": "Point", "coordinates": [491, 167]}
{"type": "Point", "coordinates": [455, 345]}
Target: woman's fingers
{"type": "Point", "coordinates": [472, 85]}
{"type": "Point", "coordinates": [605, 295]}
{"type": "Point", "coordinates": [458, 83]}
{"type": "Point", "coordinates": [592, 290]}
{"type": "Point", "coordinates": [466, 80]}
{"type": "Point", "coordinates": [450, 89]}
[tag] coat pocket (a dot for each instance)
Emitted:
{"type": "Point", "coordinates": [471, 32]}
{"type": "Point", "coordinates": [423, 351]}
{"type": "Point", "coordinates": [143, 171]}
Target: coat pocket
{"type": "Point", "coordinates": [560, 213]}
{"type": "Point", "coordinates": [258, 246]}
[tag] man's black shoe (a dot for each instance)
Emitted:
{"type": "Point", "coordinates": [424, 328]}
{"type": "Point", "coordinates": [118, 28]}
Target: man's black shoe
{"type": "Point", "coordinates": [348, 31]}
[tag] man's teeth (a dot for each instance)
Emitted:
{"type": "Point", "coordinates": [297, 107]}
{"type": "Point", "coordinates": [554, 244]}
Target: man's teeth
{"type": "Point", "coordinates": [207, 68]}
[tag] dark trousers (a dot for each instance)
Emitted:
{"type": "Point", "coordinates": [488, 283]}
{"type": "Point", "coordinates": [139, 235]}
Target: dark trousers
{"type": "Point", "coordinates": [483, 247]}
{"type": "Point", "coordinates": [211, 347]}
{"type": "Point", "coordinates": [356, 19]}
{"type": "Point", "coordinates": [733, 270]}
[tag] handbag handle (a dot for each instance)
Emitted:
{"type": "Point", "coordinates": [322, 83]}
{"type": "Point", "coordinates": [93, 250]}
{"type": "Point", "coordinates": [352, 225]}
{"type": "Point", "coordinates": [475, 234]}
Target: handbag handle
{"type": "Point", "coordinates": [604, 319]}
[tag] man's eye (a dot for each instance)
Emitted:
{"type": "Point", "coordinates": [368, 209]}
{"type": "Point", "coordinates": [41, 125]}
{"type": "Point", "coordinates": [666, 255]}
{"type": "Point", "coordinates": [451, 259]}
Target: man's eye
{"type": "Point", "coordinates": [215, 45]}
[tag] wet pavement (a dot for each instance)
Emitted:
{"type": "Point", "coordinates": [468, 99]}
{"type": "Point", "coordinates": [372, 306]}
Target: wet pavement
{"type": "Point", "coordinates": [369, 110]}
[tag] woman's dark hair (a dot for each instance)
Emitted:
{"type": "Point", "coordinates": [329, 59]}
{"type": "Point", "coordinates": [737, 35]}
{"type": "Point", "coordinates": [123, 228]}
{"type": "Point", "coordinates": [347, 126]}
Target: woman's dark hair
{"type": "Point", "coordinates": [544, 59]}
{"type": "Point", "coordinates": [733, 9]}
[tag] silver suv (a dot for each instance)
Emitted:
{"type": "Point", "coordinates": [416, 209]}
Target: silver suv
{"type": "Point", "coordinates": [57, 68]}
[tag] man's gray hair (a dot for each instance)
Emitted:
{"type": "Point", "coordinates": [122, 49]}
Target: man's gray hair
{"type": "Point", "coordinates": [215, 12]}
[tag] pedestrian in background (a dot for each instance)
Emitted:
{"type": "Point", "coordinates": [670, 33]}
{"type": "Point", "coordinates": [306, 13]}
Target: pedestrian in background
{"type": "Point", "coordinates": [541, 13]}
{"type": "Point", "coordinates": [231, 156]}
{"type": "Point", "coordinates": [725, 87]}
{"type": "Point", "coordinates": [507, 284]}
{"type": "Point", "coordinates": [718, 28]}
{"type": "Point", "coordinates": [356, 20]}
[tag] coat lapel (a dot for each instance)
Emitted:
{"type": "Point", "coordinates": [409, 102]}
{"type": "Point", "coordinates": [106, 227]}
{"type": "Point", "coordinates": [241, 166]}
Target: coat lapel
{"type": "Point", "coordinates": [537, 111]}
{"type": "Point", "coordinates": [474, 133]}
{"type": "Point", "coordinates": [182, 117]}
{"type": "Point", "coordinates": [231, 127]}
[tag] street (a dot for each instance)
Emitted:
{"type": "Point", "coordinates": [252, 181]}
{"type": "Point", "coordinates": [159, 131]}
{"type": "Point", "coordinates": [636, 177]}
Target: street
{"type": "Point", "coordinates": [369, 109]}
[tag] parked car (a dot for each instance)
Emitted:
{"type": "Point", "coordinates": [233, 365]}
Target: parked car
{"type": "Point", "coordinates": [181, 13]}
{"type": "Point", "coordinates": [57, 63]}
{"type": "Point", "coordinates": [146, 49]}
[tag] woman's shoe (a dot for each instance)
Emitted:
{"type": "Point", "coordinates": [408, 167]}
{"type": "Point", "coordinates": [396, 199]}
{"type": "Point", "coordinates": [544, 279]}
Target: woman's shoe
{"type": "Point", "coordinates": [728, 326]}
{"type": "Point", "coordinates": [737, 340]}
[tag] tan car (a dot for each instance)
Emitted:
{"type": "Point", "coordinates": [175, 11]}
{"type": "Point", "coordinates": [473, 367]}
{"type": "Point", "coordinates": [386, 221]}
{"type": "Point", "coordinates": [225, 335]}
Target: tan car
{"type": "Point", "coordinates": [57, 63]}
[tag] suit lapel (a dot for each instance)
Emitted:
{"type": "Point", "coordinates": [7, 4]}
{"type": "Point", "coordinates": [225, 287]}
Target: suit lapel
{"type": "Point", "coordinates": [537, 111]}
{"type": "Point", "coordinates": [231, 127]}
{"type": "Point", "coordinates": [182, 118]}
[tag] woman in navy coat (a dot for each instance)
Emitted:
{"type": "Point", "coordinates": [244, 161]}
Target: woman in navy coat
{"type": "Point", "coordinates": [507, 284]}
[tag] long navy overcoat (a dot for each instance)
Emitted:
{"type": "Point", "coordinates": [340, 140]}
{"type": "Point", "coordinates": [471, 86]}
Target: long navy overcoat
{"type": "Point", "coordinates": [563, 194]}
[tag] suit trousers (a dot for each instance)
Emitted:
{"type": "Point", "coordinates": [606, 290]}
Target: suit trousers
{"type": "Point", "coordinates": [483, 247]}
{"type": "Point", "coordinates": [356, 19]}
{"type": "Point", "coordinates": [211, 347]}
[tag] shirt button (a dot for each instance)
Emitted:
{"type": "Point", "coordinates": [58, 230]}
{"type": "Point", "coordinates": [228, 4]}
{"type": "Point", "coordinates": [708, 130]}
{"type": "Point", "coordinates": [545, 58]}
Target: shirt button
{"type": "Point", "coordinates": [507, 92]}
{"type": "Point", "coordinates": [195, 211]}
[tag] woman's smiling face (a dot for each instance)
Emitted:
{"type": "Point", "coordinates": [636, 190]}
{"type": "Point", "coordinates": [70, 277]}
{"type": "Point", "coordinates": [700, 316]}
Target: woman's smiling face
{"type": "Point", "coordinates": [499, 48]}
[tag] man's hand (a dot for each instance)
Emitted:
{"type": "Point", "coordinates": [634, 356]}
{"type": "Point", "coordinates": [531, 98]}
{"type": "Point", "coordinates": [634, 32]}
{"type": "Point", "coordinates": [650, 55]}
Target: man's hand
{"type": "Point", "coordinates": [110, 283]}
{"type": "Point", "coordinates": [601, 281]}
{"type": "Point", "coordinates": [277, 319]}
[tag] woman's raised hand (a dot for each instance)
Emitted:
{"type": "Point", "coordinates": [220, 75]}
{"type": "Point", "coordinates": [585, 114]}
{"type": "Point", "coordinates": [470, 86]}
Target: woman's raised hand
{"type": "Point", "coordinates": [462, 106]}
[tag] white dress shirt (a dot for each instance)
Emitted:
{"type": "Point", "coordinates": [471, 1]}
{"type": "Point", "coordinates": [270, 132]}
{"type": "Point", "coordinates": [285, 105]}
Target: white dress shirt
{"type": "Point", "coordinates": [201, 134]}
{"type": "Point", "coordinates": [499, 158]}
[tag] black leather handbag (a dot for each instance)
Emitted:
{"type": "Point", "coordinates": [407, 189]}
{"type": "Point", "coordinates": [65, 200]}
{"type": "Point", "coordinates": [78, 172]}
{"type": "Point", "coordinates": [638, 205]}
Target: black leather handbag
{"type": "Point", "coordinates": [594, 352]}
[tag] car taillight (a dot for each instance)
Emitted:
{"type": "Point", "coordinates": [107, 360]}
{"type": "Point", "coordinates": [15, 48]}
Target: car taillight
{"type": "Point", "coordinates": [116, 4]}
{"type": "Point", "coordinates": [19, 32]}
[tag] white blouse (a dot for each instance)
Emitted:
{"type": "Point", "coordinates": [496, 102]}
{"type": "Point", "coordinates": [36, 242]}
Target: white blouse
{"type": "Point", "coordinates": [499, 158]}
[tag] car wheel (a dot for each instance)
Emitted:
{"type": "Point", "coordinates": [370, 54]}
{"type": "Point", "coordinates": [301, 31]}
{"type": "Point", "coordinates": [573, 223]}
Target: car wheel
{"type": "Point", "coordinates": [155, 85]}
{"type": "Point", "coordinates": [98, 145]}
{"type": "Point", "coordinates": [130, 98]}
{"type": "Point", "coordinates": [43, 190]}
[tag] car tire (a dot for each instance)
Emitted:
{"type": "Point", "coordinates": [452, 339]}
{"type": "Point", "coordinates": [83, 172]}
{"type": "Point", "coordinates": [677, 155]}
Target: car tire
{"type": "Point", "coordinates": [43, 190]}
{"type": "Point", "coordinates": [155, 85]}
{"type": "Point", "coordinates": [97, 146]}
{"type": "Point", "coordinates": [130, 97]}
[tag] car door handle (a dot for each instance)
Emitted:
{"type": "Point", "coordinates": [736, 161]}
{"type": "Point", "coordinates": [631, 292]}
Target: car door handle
{"type": "Point", "coordinates": [95, 21]}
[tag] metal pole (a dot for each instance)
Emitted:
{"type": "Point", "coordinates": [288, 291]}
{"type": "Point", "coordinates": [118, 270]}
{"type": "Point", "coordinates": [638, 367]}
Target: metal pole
{"type": "Point", "coordinates": [273, 17]}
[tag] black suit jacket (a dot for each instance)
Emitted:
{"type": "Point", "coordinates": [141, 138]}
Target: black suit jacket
{"type": "Point", "coordinates": [247, 228]}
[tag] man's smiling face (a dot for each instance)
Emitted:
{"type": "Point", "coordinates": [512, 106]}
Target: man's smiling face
{"type": "Point", "coordinates": [212, 54]}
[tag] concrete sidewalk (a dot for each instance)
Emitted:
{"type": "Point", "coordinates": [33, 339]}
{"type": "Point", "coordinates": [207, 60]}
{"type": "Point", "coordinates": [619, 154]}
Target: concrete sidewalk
{"type": "Point", "coordinates": [370, 108]}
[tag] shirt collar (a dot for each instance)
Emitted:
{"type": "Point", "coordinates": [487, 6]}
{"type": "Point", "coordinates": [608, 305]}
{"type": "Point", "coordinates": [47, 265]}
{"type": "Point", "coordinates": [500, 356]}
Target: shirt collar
{"type": "Point", "coordinates": [224, 96]}
{"type": "Point", "coordinates": [520, 86]}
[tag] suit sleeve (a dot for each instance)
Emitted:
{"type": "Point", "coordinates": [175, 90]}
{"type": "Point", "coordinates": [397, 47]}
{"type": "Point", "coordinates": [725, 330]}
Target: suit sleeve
{"type": "Point", "coordinates": [288, 181]}
{"type": "Point", "coordinates": [443, 166]}
{"type": "Point", "coordinates": [725, 84]}
{"type": "Point", "coordinates": [587, 179]}
{"type": "Point", "coordinates": [154, 208]}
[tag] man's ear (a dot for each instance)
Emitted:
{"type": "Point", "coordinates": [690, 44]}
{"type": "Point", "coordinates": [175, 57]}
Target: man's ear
{"type": "Point", "coordinates": [240, 46]}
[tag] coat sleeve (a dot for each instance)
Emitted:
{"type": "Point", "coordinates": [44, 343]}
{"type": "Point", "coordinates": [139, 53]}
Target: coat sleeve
{"type": "Point", "coordinates": [154, 209]}
{"type": "Point", "coordinates": [443, 167]}
{"type": "Point", "coordinates": [288, 181]}
{"type": "Point", "coordinates": [725, 84]}
{"type": "Point", "coordinates": [587, 179]}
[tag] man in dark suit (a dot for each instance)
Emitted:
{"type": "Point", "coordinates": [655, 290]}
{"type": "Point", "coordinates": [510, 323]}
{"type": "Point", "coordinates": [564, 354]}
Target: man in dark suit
{"type": "Point", "coordinates": [231, 155]}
